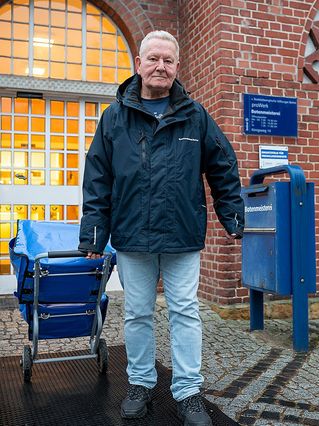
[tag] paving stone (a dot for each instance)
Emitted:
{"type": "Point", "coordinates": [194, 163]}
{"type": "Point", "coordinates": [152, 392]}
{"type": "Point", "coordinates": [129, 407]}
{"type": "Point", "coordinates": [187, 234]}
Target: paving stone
{"type": "Point", "coordinates": [245, 372]}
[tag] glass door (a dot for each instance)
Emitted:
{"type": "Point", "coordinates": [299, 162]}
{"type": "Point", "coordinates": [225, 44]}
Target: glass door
{"type": "Point", "coordinates": [42, 151]}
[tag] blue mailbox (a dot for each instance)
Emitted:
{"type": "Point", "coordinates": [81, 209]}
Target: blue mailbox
{"type": "Point", "coordinates": [278, 248]}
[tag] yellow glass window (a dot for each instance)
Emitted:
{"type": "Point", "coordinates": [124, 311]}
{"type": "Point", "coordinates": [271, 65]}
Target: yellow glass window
{"type": "Point", "coordinates": [4, 248]}
{"type": "Point", "coordinates": [74, 54]}
{"type": "Point", "coordinates": [74, 38]}
{"type": "Point", "coordinates": [93, 22]}
{"type": "Point", "coordinates": [20, 177]}
{"type": "Point", "coordinates": [93, 39]}
{"type": "Point", "coordinates": [108, 58]}
{"type": "Point", "coordinates": [21, 14]}
{"type": "Point", "coordinates": [5, 12]}
{"type": "Point", "coordinates": [56, 160]}
{"type": "Point", "coordinates": [72, 126]}
{"type": "Point", "coordinates": [72, 177]}
{"type": "Point", "coordinates": [57, 125]}
{"type": "Point", "coordinates": [57, 18]}
{"type": "Point", "coordinates": [37, 124]}
{"type": "Point", "coordinates": [109, 41]}
{"type": "Point", "coordinates": [56, 4]}
{"type": "Point", "coordinates": [5, 212]}
{"type": "Point", "coordinates": [107, 26]}
{"type": "Point", "coordinates": [20, 159]}
{"type": "Point", "coordinates": [41, 16]}
{"type": "Point", "coordinates": [5, 158]}
{"type": "Point", "coordinates": [37, 141]}
{"type": "Point", "coordinates": [93, 56]}
{"type": "Point", "coordinates": [56, 212]}
{"type": "Point", "coordinates": [56, 142]}
{"type": "Point", "coordinates": [20, 212]}
{"type": "Point", "coordinates": [72, 109]}
{"type": "Point", "coordinates": [74, 20]}
{"type": "Point", "coordinates": [20, 67]}
{"type": "Point", "coordinates": [56, 177]}
{"type": "Point", "coordinates": [72, 143]}
{"type": "Point", "coordinates": [57, 53]}
{"type": "Point", "coordinates": [6, 104]}
{"type": "Point", "coordinates": [6, 30]}
{"type": "Point", "coordinates": [57, 70]}
{"type": "Point", "coordinates": [5, 230]}
{"type": "Point", "coordinates": [56, 47]}
{"type": "Point", "coordinates": [41, 52]}
{"type": "Point", "coordinates": [21, 124]}
{"type": "Point", "coordinates": [123, 60]}
{"type": "Point", "coordinates": [108, 74]}
{"type": "Point", "coordinates": [20, 31]}
{"type": "Point", "coordinates": [5, 47]}
{"type": "Point", "coordinates": [75, 5]}
{"type": "Point", "coordinates": [91, 109]}
{"type": "Point", "coordinates": [122, 75]}
{"type": "Point", "coordinates": [37, 177]}
{"type": "Point", "coordinates": [40, 69]}
{"type": "Point", "coordinates": [57, 108]}
{"type": "Point", "coordinates": [5, 140]}
{"type": "Point", "coordinates": [74, 72]}
{"type": "Point", "coordinates": [57, 37]}
{"type": "Point", "coordinates": [20, 140]}
{"type": "Point", "coordinates": [72, 161]}
{"type": "Point", "coordinates": [5, 177]}
{"type": "Point", "coordinates": [21, 106]}
{"type": "Point", "coordinates": [72, 212]}
{"type": "Point", "coordinates": [5, 65]}
{"type": "Point", "coordinates": [37, 159]}
{"type": "Point", "coordinates": [37, 212]}
{"type": "Point", "coordinates": [88, 141]}
{"type": "Point", "coordinates": [103, 107]}
{"type": "Point", "coordinates": [37, 106]}
{"type": "Point", "coordinates": [120, 43]}
{"type": "Point", "coordinates": [5, 122]}
{"type": "Point", "coordinates": [90, 126]}
{"type": "Point", "coordinates": [4, 266]}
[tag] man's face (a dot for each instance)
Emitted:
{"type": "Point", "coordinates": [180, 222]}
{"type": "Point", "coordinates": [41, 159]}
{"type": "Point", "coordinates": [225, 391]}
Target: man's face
{"type": "Point", "coordinates": [157, 66]}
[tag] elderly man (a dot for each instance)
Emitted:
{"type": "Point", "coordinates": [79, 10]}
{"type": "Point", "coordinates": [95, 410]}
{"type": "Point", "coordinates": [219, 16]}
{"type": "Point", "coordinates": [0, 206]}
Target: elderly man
{"type": "Point", "coordinates": [143, 185]}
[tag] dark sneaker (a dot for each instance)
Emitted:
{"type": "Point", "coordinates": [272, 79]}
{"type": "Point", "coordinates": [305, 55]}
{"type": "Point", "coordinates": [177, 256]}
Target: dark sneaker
{"type": "Point", "coordinates": [134, 405]}
{"type": "Point", "coordinates": [192, 411]}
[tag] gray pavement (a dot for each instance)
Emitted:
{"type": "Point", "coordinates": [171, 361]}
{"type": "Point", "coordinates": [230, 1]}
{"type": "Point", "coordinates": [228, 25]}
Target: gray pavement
{"type": "Point", "coordinates": [255, 378]}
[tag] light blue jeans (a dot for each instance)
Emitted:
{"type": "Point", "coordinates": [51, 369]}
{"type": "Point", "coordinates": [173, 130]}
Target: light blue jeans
{"type": "Point", "coordinates": [139, 274]}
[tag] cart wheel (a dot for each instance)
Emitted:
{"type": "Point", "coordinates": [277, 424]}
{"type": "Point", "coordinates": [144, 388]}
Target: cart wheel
{"type": "Point", "coordinates": [27, 363]}
{"type": "Point", "coordinates": [102, 357]}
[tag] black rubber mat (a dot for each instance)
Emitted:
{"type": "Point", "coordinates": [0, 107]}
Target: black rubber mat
{"type": "Point", "coordinates": [72, 393]}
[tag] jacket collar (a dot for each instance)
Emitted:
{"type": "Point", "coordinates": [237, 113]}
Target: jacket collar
{"type": "Point", "coordinates": [129, 93]}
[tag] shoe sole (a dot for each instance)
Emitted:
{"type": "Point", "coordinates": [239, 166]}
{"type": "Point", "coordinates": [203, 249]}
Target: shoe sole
{"type": "Point", "coordinates": [134, 414]}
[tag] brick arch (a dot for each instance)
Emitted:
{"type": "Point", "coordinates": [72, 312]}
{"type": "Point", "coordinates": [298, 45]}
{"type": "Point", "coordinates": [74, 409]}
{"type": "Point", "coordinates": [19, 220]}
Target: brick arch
{"type": "Point", "coordinates": [304, 37]}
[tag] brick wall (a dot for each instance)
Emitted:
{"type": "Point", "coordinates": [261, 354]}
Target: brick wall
{"type": "Point", "coordinates": [231, 47]}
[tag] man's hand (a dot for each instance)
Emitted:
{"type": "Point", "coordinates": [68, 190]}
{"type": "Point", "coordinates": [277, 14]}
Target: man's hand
{"type": "Point", "coordinates": [91, 255]}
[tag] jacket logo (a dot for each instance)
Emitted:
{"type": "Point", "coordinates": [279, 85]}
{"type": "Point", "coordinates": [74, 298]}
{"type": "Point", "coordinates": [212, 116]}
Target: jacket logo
{"type": "Point", "coordinates": [188, 139]}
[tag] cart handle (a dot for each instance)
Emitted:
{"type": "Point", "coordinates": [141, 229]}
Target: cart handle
{"type": "Point", "coordinates": [59, 254]}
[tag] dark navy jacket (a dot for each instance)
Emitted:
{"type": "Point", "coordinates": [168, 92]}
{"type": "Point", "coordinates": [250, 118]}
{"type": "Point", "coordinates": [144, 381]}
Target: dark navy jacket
{"type": "Point", "coordinates": [143, 179]}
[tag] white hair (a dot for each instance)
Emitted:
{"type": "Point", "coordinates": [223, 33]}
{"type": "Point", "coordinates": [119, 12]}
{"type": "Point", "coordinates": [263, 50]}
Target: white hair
{"type": "Point", "coordinates": [163, 35]}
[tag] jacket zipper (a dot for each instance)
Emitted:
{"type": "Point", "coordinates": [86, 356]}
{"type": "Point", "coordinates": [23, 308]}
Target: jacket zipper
{"type": "Point", "coordinates": [142, 141]}
{"type": "Point", "coordinates": [94, 236]}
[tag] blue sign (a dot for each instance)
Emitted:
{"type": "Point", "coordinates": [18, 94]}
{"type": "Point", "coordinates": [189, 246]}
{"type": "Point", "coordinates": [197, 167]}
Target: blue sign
{"type": "Point", "coordinates": [270, 115]}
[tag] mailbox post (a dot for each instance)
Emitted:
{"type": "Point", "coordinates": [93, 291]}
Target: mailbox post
{"type": "Point", "coordinates": [278, 248]}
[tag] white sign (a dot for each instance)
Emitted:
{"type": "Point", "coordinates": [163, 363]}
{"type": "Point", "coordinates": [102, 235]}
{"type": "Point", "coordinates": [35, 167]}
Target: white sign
{"type": "Point", "coordinates": [272, 156]}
